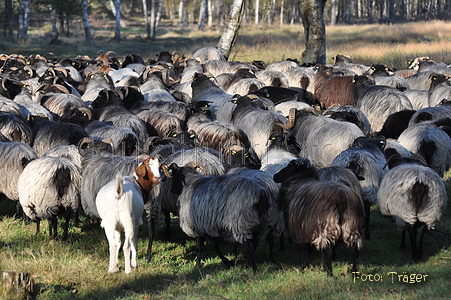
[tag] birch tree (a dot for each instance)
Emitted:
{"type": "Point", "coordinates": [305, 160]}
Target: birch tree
{"type": "Point", "coordinates": [24, 20]}
{"type": "Point", "coordinates": [231, 27]}
{"type": "Point", "coordinates": [202, 15]}
{"type": "Point", "coordinates": [87, 28]}
{"type": "Point", "coordinates": [117, 31]}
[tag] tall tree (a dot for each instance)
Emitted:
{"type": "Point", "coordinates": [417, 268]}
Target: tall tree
{"type": "Point", "coordinates": [8, 20]}
{"type": "Point", "coordinates": [202, 14]}
{"type": "Point", "coordinates": [117, 31]}
{"type": "Point", "coordinates": [312, 15]}
{"type": "Point", "coordinates": [84, 10]}
{"type": "Point", "coordinates": [24, 20]}
{"type": "Point", "coordinates": [153, 20]}
{"type": "Point", "coordinates": [231, 27]}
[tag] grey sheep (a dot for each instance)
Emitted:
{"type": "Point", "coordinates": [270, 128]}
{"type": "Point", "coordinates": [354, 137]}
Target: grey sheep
{"type": "Point", "coordinates": [430, 141]}
{"type": "Point", "coordinates": [378, 102]}
{"type": "Point", "coordinates": [367, 160]}
{"type": "Point", "coordinates": [14, 156]}
{"type": "Point", "coordinates": [320, 138]}
{"type": "Point", "coordinates": [413, 196]}
{"type": "Point", "coordinates": [50, 187]}
{"type": "Point", "coordinates": [234, 208]}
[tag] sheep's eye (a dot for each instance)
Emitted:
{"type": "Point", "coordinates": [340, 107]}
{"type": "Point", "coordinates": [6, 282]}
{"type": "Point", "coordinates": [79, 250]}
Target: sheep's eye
{"type": "Point", "coordinates": [247, 155]}
{"type": "Point", "coordinates": [43, 92]}
{"type": "Point", "coordinates": [192, 136]}
{"type": "Point", "coordinates": [233, 152]}
{"type": "Point", "coordinates": [92, 76]}
{"type": "Point", "coordinates": [174, 135]}
{"type": "Point", "coordinates": [28, 63]}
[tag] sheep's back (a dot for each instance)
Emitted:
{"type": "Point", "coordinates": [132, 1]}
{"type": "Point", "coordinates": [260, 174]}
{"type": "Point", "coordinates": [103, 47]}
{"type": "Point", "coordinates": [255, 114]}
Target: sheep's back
{"type": "Point", "coordinates": [397, 191]}
{"type": "Point", "coordinates": [322, 212]}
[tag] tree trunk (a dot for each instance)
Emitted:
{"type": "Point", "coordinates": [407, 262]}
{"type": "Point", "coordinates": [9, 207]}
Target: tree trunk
{"type": "Point", "coordinates": [333, 13]}
{"type": "Point", "coordinates": [257, 8]}
{"type": "Point", "coordinates": [84, 10]}
{"type": "Point", "coordinates": [282, 4]}
{"type": "Point", "coordinates": [153, 17]}
{"type": "Point", "coordinates": [17, 285]}
{"type": "Point", "coordinates": [7, 22]}
{"type": "Point", "coordinates": [158, 17]}
{"type": "Point", "coordinates": [312, 15]}
{"type": "Point", "coordinates": [117, 32]}
{"type": "Point", "coordinates": [24, 20]}
{"type": "Point", "coordinates": [202, 15]}
{"type": "Point", "coordinates": [210, 13]}
{"type": "Point", "coordinates": [230, 31]}
{"type": "Point", "coordinates": [146, 17]}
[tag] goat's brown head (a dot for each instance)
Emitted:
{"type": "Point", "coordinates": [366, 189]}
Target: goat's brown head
{"type": "Point", "coordinates": [148, 173]}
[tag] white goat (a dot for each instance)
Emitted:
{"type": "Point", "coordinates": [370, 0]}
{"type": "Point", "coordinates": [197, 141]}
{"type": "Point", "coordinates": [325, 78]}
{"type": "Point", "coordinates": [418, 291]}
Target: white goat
{"type": "Point", "coordinates": [120, 204]}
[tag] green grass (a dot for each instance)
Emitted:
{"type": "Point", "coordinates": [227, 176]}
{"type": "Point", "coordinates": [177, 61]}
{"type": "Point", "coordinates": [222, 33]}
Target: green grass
{"type": "Point", "coordinates": [76, 268]}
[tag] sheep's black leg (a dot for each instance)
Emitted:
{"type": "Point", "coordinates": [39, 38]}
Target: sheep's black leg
{"type": "Point", "coordinates": [403, 239]}
{"type": "Point", "coordinates": [251, 255]}
{"type": "Point", "coordinates": [53, 224]}
{"type": "Point", "coordinates": [270, 239]}
{"type": "Point", "coordinates": [308, 250]}
{"type": "Point", "coordinates": [38, 225]}
{"type": "Point", "coordinates": [224, 259]}
{"type": "Point", "coordinates": [413, 241]}
{"type": "Point", "coordinates": [67, 214]}
{"type": "Point", "coordinates": [199, 246]}
{"type": "Point", "coordinates": [355, 256]}
{"type": "Point", "coordinates": [326, 255]}
{"type": "Point", "coordinates": [167, 222]}
{"type": "Point", "coordinates": [367, 205]}
{"type": "Point", "coordinates": [150, 232]}
{"type": "Point", "coordinates": [281, 242]}
{"type": "Point", "coordinates": [420, 243]}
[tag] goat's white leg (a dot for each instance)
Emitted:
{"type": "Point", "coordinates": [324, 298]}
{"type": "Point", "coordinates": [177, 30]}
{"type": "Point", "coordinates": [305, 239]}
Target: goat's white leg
{"type": "Point", "coordinates": [134, 247]}
{"type": "Point", "coordinates": [126, 247]}
{"type": "Point", "coordinates": [114, 238]}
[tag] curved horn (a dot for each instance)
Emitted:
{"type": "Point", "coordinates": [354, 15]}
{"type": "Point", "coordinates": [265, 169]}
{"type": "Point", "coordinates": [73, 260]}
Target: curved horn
{"type": "Point", "coordinates": [82, 142]}
{"type": "Point", "coordinates": [291, 120]}
{"type": "Point", "coordinates": [196, 165]}
{"type": "Point", "coordinates": [62, 88]}
{"type": "Point", "coordinates": [86, 111]}
{"type": "Point", "coordinates": [62, 70]}
{"type": "Point", "coordinates": [165, 170]}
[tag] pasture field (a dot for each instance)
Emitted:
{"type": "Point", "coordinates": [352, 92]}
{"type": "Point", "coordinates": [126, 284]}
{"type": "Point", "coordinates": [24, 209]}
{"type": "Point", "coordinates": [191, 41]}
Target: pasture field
{"type": "Point", "coordinates": [77, 268]}
{"type": "Point", "coordinates": [375, 43]}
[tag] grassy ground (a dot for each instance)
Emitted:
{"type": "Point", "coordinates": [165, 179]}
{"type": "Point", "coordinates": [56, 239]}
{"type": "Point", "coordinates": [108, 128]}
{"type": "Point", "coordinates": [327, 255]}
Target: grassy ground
{"type": "Point", "coordinates": [76, 268]}
{"type": "Point", "coordinates": [389, 44]}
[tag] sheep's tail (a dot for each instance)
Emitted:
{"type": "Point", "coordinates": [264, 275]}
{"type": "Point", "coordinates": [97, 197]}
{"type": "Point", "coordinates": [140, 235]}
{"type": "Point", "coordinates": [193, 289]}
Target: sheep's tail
{"type": "Point", "coordinates": [119, 186]}
{"type": "Point", "coordinates": [420, 194]}
{"type": "Point", "coordinates": [352, 220]}
{"type": "Point", "coordinates": [62, 180]}
{"type": "Point", "coordinates": [427, 150]}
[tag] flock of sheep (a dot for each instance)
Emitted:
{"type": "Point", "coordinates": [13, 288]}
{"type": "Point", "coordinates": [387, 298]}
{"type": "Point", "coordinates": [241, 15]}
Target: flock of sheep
{"type": "Point", "coordinates": [236, 150]}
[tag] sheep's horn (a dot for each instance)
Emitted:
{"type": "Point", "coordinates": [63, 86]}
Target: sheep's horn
{"type": "Point", "coordinates": [291, 120]}
{"type": "Point", "coordinates": [82, 142]}
{"type": "Point", "coordinates": [86, 111]}
{"type": "Point", "coordinates": [62, 88]}
{"type": "Point", "coordinates": [165, 170]}
{"type": "Point", "coordinates": [195, 165]}
{"type": "Point", "coordinates": [62, 70]}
